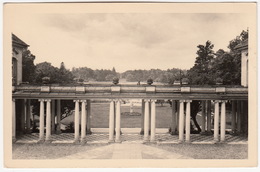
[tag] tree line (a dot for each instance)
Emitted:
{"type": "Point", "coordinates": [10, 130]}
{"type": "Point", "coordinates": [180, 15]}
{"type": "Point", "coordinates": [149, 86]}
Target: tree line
{"type": "Point", "coordinates": [209, 66]}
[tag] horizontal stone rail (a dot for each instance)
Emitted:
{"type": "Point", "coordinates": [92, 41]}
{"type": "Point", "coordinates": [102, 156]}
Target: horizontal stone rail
{"type": "Point", "coordinates": [132, 91]}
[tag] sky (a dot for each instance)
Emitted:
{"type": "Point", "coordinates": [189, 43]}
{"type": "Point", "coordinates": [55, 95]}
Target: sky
{"type": "Point", "coordinates": [126, 41]}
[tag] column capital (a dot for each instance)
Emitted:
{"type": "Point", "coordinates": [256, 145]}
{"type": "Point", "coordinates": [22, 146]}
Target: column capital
{"type": "Point", "coordinates": [217, 101]}
{"type": "Point", "coordinates": [48, 100]}
{"type": "Point", "coordinates": [13, 100]}
{"type": "Point", "coordinates": [153, 100]}
{"type": "Point", "coordinates": [41, 100]}
{"type": "Point", "coordinates": [83, 101]}
{"type": "Point", "coordinates": [181, 101]}
{"type": "Point", "coordinates": [224, 101]}
{"type": "Point", "coordinates": [118, 100]}
{"type": "Point", "coordinates": [76, 100]}
{"type": "Point", "coordinates": [188, 101]}
{"type": "Point", "coordinates": [147, 100]}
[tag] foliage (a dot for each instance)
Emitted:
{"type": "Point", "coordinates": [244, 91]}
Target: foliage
{"type": "Point", "coordinates": [28, 73]}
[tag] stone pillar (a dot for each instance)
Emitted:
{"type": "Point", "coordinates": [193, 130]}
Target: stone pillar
{"type": "Point", "coordinates": [118, 121]}
{"type": "Point", "coordinates": [28, 116]}
{"type": "Point", "coordinates": [41, 122]}
{"type": "Point", "coordinates": [203, 116]}
{"type": "Point", "coordinates": [83, 121]}
{"type": "Point", "coordinates": [58, 131]}
{"type": "Point", "coordinates": [146, 121]}
{"type": "Point", "coordinates": [23, 116]}
{"type": "Point", "coordinates": [216, 121]}
{"type": "Point", "coordinates": [89, 117]}
{"type": "Point", "coordinates": [48, 121]}
{"type": "Point", "coordinates": [153, 120]}
{"type": "Point", "coordinates": [209, 117]}
{"type": "Point", "coordinates": [178, 115]}
{"type": "Point", "coordinates": [187, 120]}
{"type": "Point", "coordinates": [76, 122]}
{"type": "Point", "coordinates": [239, 116]}
{"type": "Point", "coordinates": [142, 118]}
{"type": "Point", "coordinates": [174, 119]}
{"type": "Point", "coordinates": [223, 121]}
{"type": "Point", "coordinates": [53, 116]}
{"type": "Point", "coordinates": [181, 121]}
{"type": "Point", "coordinates": [149, 118]}
{"type": "Point", "coordinates": [111, 121]}
{"type": "Point", "coordinates": [13, 121]}
{"type": "Point", "coordinates": [233, 122]}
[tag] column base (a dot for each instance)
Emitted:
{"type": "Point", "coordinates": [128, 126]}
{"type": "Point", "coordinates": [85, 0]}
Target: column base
{"type": "Point", "coordinates": [180, 141]}
{"type": "Point", "coordinates": [47, 141]}
{"type": "Point", "coordinates": [83, 141]}
{"type": "Point", "coordinates": [153, 141]}
{"type": "Point", "coordinates": [76, 141]}
{"type": "Point", "coordinates": [222, 141]}
{"type": "Point", "coordinates": [118, 141]}
{"type": "Point", "coordinates": [215, 141]}
{"type": "Point", "coordinates": [187, 142]}
{"type": "Point", "coordinates": [40, 141]}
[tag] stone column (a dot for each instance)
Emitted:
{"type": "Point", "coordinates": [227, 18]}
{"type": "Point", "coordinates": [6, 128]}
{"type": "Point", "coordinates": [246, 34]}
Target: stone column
{"type": "Point", "coordinates": [239, 116]}
{"type": "Point", "coordinates": [146, 121]}
{"type": "Point", "coordinates": [178, 115]}
{"type": "Point", "coordinates": [58, 131]}
{"type": "Point", "coordinates": [83, 121]}
{"type": "Point", "coordinates": [181, 121]}
{"type": "Point", "coordinates": [118, 121]}
{"type": "Point", "coordinates": [41, 122]}
{"type": "Point", "coordinates": [187, 120]}
{"type": "Point", "coordinates": [23, 116]}
{"type": "Point", "coordinates": [174, 119]}
{"type": "Point", "coordinates": [48, 121]}
{"type": "Point", "coordinates": [153, 120]}
{"type": "Point", "coordinates": [233, 122]}
{"type": "Point", "coordinates": [13, 121]}
{"type": "Point", "coordinates": [88, 117]}
{"type": "Point", "coordinates": [209, 117]}
{"type": "Point", "coordinates": [223, 121]}
{"type": "Point", "coordinates": [142, 118]}
{"type": "Point", "coordinates": [203, 116]}
{"type": "Point", "coordinates": [53, 116]}
{"type": "Point", "coordinates": [216, 121]}
{"type": "Point", "coordinates": [28, 116]}
{"type": "Point", "coordinates": [111, 121]}
{"type": "Point", "coordinates": [149, 118]}
{"type": "Point", "coordinates": [76, 122]}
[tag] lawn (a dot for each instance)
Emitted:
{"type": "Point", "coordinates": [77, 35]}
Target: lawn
{"type": "Point", "coordinates": [208, 151]}
{"type": "Point", "coordinates": [100, 116]}
{"type": "Point", "coordinates": [49, 151]}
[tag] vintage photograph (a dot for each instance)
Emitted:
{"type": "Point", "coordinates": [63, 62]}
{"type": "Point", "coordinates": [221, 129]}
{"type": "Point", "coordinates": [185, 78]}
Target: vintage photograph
{"type": "Point", "coordinates": [130, 81]}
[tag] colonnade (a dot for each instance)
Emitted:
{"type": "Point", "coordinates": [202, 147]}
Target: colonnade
{"type": "Point", "coordinates": [181, 116]}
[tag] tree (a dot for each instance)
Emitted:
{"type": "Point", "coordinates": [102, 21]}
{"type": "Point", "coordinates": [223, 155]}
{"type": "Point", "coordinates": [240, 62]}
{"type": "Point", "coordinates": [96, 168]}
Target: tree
{"type": "Point", "coordinates": [28, 67]}
{"type": "Point", "coordinates": [200, 73]}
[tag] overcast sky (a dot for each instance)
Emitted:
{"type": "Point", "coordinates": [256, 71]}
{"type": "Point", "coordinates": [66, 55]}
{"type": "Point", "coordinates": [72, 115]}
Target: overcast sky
{"type": "Point", "coordinates": [126, 40]}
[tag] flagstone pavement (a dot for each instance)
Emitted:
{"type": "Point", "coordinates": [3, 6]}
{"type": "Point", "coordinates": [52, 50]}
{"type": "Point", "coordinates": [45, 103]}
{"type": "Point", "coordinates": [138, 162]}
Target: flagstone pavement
{"type": "Point", "coordinates": [126, 151]}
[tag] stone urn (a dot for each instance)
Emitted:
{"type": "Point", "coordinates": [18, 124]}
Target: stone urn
{"type": "Point", "coordinates": [185, 81]}
{"type": "Point", "coordinates": [219, 81]}
{"type": "Point", "coordinates": [115, 81]}
{"type": "Point", "coordinates": [46, 80]}
{"type": "Point", "coordinates": [150, 81]}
